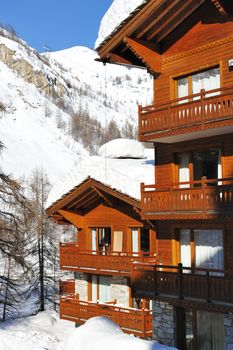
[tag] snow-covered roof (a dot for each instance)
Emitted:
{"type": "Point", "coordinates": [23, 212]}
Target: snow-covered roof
{"type": "Point", "coordinates": [116, 14]}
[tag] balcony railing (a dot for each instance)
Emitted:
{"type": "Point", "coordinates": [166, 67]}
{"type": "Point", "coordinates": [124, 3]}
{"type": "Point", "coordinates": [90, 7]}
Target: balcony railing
{"type": "Point", "coordinates": [202, 111]}
{"type": "Point", "coordinates": [136, 321]}
{"type": "Point", "coordinates": [104, 262]}
{"type": "Point", "coordinates": [204, 199]}
{"type": "Point", "coordinates": [180, 283]}
{"type": "Point", "coordinates": [67, 287]}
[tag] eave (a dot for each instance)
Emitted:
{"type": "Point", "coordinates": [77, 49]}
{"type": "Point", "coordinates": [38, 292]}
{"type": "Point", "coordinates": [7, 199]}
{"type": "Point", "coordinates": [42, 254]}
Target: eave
{"type": "Point", "coordinates": [86, 196]}
{"type": "Point", "coordinates": [147, 27]}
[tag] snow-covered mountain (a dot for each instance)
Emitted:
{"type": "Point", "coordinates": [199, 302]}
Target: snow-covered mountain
{"type": "Point", "coordinates": [42, 93]}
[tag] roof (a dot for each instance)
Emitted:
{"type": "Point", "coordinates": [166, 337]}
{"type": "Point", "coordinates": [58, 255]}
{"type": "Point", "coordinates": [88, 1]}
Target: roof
{"type": "Point", "coordinates": [87, 195]}
{"type": "Point", "coordinates": [150, 28]}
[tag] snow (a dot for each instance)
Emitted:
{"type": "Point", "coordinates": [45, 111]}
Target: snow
{"type": "Point", "coordinates": [101, 333]}
{"type": "Point", "coordinates": [40, 332]}
{"type": "Point", "coordinates": [47, 331]}
{"type": "Point", "coordinates": [124, 175]}
{"type": "Point", "coordinates": [29, 129]}
{"type": "Point", "coordinates": [122, 148]}
{"type": "Point", "coordinates": [117, 12]}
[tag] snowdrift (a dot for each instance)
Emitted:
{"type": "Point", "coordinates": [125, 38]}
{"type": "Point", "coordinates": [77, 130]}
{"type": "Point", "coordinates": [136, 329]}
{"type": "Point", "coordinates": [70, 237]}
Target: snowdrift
{"type": "Point", "coordinates": [100, 333]}
{"type": "Point", "coordinates": [122, 148]}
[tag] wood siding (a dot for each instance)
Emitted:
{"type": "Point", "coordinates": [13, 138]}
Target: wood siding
{"type": "Point", "coordinates": [121, 219]}
{"type": "Point", "coordinates": [203, 43]}
{"type": "Point", "coordinates": [166, 168]}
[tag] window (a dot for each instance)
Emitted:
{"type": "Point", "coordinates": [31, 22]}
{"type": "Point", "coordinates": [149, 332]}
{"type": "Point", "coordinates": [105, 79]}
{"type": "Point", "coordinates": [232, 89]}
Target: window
{"type": "Point", "coordinates": [203, 330]}
{"type": "Point", "coordinates": [194, 83]}
{"type": "Point", "coordinates": [100, 288]}
{"type": "Point", "coordinates": [140, 238]}
{"type": "Point", "coordinates": [207, 163]}
{"type": "Point", "coordinates": [201, 248]}
{"type": "Point", "coordinates": [100, 239]}
{"type": "Point", "coordinates": [193, 166]}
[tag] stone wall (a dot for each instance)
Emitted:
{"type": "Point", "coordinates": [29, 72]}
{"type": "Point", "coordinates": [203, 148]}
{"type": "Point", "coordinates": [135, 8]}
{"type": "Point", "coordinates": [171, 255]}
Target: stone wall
{"type": "Point", "coordinates": [163, 323]}
{"type": "Point", "coordinates": [228, 326]}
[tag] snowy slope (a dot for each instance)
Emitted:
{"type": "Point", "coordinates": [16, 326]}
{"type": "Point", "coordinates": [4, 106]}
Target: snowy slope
{"type": "Point", "coordinates": [117, 12]}
{"type": "Point", "coordinates": [29, 126]}
{"type": "Point", "coordinates": [31, 139]}
{"type": "Point", "coordinates": [112, 92]}
{"type": "Point", "coordinates": [125, 175]}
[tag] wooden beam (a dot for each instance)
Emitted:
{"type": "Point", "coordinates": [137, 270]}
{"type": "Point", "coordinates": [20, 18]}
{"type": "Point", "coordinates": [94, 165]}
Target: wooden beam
{"type": "Point", "coordinates": [114, 58]}
{"type": "Point", "coordinates": [71, 217]}
{"type": "Point", "coordinates": [129, 27]}
{"type": "Point", "coordinates": [167, 6]}
{"type": "Point", "coordinates": [146, 52]}
{"type": "Point", "coordinates": [102, 196]}
{"type": "Point", "coordinates": [177, 17]}
{"type": "Point", "coordinates": [219, 7]}
{"type": "Point", "coordinates": [80, 199]}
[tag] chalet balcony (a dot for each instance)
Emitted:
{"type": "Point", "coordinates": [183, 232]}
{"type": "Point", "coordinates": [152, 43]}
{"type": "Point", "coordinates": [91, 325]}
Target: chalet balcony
{"type": "Point", "coordinates": [102, 262]}
{"type": "Point", "coordinates": [207, 113]}
{"type": "Point", "coordinates": [180, 285]}
{"type": "Point", "coordinates": [135, 321]}
{"type": "Point", "coordinates": [204, 199]}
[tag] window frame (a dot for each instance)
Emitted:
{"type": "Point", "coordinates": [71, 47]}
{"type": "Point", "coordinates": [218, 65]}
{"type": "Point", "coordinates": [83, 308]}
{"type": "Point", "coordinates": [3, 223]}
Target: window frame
{"type": "Point", "coordinates": [189, 75]}
{"type": "Point", "coordinates": [176, 238]}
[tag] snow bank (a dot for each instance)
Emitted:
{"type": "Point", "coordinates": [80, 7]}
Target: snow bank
{"type": "Point", "coordinates": [117, 12]}
{"type": "Point", "coordinates": [40, 332]}
{"type": "Point", "coordinates": [100, 333]}
{"type": "Point", "coordinates": [122, 148]}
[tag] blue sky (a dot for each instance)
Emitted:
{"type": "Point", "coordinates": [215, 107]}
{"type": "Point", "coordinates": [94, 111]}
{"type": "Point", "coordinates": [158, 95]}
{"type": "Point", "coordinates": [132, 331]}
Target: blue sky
{"type": "Point", "coordinates": [57, 24]}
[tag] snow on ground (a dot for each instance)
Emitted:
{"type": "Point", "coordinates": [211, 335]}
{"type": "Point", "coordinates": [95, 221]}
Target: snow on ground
{"type": "Point", "coordinates": [46, 331]}
{"type": "Point", "coordinates": [122, 148]}
{"type": "Point", "coordinates": [117, 12]}
{"type": "Point", "coordinates": [100, 333]}
{"type": "Point", "coordinates": [124, 175]}
{"type": "Point", "coordinates": [41, 332]}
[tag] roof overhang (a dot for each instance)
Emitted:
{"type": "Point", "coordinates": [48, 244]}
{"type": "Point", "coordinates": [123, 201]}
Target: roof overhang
{"type": "Point", "coordinates": [145, 30]}
{"type": "Point", "coordinates": [86, 196]}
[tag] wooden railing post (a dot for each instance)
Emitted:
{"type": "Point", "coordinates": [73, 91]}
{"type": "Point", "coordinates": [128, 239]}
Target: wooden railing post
{"type": "Point", "coordinates": [143, 323]}
{"type": "Point", "coordinates": [202, 108]}
{"type": "Point", "coordinates": [180, 282]}
{"type": "Point", "coordinates": [204, 185]}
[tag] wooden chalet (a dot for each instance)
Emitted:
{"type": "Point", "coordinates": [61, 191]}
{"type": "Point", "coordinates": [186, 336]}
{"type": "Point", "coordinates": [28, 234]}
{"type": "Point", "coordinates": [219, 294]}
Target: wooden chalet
{"type": "Point", "coordinates": [188, 47]}
{"type": "Point", "coordinates": [110, 239]}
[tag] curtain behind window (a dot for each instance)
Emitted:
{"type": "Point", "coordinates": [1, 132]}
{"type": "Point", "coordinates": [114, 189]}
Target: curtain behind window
{"type": "Point", "coordinates": [209, 248]}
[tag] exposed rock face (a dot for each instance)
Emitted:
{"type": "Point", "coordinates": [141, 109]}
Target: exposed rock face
{"type": "Point", "coordinates": [48, 84]}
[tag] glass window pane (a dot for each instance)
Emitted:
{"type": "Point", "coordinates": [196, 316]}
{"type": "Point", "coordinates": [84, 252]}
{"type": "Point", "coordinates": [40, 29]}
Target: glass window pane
{"type": "Point", "coordinates": [207, 80]}
{"type": "Point", "coordinates": [209, 248]}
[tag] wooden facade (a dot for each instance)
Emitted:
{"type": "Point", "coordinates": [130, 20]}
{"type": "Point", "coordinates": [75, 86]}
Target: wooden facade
{"type": "Point", "coordinates": [188, 47]}
{"type": "Point", "coordinates": [110, 238]}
